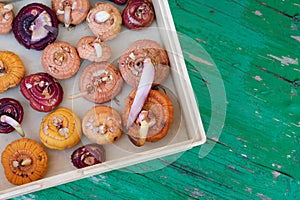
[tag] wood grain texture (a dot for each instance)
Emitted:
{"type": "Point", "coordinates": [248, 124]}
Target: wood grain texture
{"type": "Point", "coordinates": [253, 49]}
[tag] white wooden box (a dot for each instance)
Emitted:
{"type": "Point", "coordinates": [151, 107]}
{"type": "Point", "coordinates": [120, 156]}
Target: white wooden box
{"type": "Point", "coordinates": [186, 132]}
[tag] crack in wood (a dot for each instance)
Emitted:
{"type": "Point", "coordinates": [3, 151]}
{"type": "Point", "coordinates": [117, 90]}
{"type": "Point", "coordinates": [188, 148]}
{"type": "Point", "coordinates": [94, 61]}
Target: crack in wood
{"type": "Point", "coordinates": [271, 169]}
{"type": "Point", "coordinates": [164, 184]}
{"type": "Point", "coordinates": [274, 9]}
{"type": "Point", "coordinates": [180, 167]}
{"type": "Point", "coordinates": [295, 82]}
{"type": "Point", "coordinates": [237, 152]}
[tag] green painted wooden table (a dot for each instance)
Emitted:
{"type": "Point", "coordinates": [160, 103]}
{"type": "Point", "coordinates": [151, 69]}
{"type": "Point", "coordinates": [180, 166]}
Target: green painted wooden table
{"type": "Point", "coordinates": [247, 85]}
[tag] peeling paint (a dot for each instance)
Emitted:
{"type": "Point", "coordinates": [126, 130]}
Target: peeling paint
{"type": "Point", "coordinates": [296, 125]}
{"type": "Point", "coordinates": [258, 13]}
{"type": "Point", "coordinates": [99, 179]}
{"type": "Point", "coordinates": [200, 40]}
{"type": "Point", "coordinates": [276, 174]}
{"type": "Point", "coordinates": [164, 177]}
{"type": "Point", "coordinates": [262, 196]}
{"type": "Point", "coordinates": [244, 155]}
{"type": "Point", "coordinates": [296, 37]}
{"type": "Point", "coordinates": [28, 197]}
{"type": "Point", "coordinates": [287, 135]}
{"type": "Point", "coordinates": [198, 59]}
{"type": "Point", "coordinates": [296, 69]}
{"type": "Point", "coordinates": [277, 120]}
{"type": "Point", "coordinates": [241, 139]}
{"type": "Point", "coordinates": [278, 166]}
{"type": "Point", "coordinates": [258, 78]}
{"type": "Point", "coordinates": [249, 190]}
{"type": "Point", "coordinates": [285, 61]}
{"type": "Point", "coordinates": [231, 167]}
{"type": "Point", "coordinates": [196, 193]}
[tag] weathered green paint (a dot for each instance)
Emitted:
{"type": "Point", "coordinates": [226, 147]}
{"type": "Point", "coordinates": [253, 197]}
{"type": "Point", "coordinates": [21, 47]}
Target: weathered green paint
{"type": "Point", "coordinates": [255, 46]}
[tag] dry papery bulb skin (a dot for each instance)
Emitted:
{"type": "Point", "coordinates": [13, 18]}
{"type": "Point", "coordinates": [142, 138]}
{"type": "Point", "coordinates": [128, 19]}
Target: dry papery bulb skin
{"type": "Point", "coordinates": [11, 116]}
{"type": "Point", "coordinates": [88, 155]}
{"type": "Point", "coordinates": [6, 18]}
{"type": "Point", "coordinates": [100, 82]}
{"type": "Point", "coordinates": [71, 12]}
{"type": "Point", "coordinates": [43, 91]}
{"type": "Point", "coordinates": [12, 70]}
{"type": "Point", "coordinates": [35, 26]}
{"type": "Point", "coordinates": [157, 114]}
{"type": "Point", "coordinates": [102, 125]}
{"type": "Point", "coordinates": [60, 129]}
{"type": "Point", "coordinates": [60, 60]}
{"type": "Point", "coordinates": [93, 49]}
{"type": "Point", "coordinates": [24, 161]}
{"type": "Point", "coordinates": [131, 61]}
{"type": "Point", "coordinates": [105, 21]}
{"type": "Point", "coordinates": [138, 14]}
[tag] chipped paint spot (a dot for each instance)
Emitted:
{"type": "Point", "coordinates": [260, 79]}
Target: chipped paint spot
{"type": "Point", "coordinates": [285, 61]}
{"type": "Point", "coordinates": [241, 139]}
{"type": "Point", "coordinates": [100, 179]}
{"type": "Point", "coordinates": [200, 40]}
{"type": "Point", "coordinates": [279, 166]}
{"type": "Point", "coordinates": [198, 59]}
{"type": "Point", "coordinates": [197, 193]}
{"type": "Point", "coordinates": [164, 177]}
{"type": "Point", "coordinates": [231, 167]}
{"type": "Point", "coordinates": [296, 37]}
{"type": "Point", "coordinates": [296, 69]}
{"type": "Point", "coordinates": [215, 139]}
{"type": "Point", "coordinates": [258, 78]}
{"type": "Point", "coordinates": [258, 13]}
{"type": "Point", "coordinates": [244, 155]}
{"type": "Point", "coordinates": [296, 125]}
{"type": "Point", "coordinates": [259, 116]}
{"type": "Point", "coordinates": [262, 196]}
{"type": "Point", "coordinates": [249, 190]}
{"type": "Point", "coordinates": [28, 197]}
{"type": "Point", "coordinates": [276, 174]}
{"type": "Point", "coordinates": [277, 120]}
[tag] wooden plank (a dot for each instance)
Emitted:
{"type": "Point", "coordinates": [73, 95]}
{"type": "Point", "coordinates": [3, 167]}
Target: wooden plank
{"type": "Point", "coordinates": [254, 85]}
{"type": "Point", "coordinates": [255, 47]}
